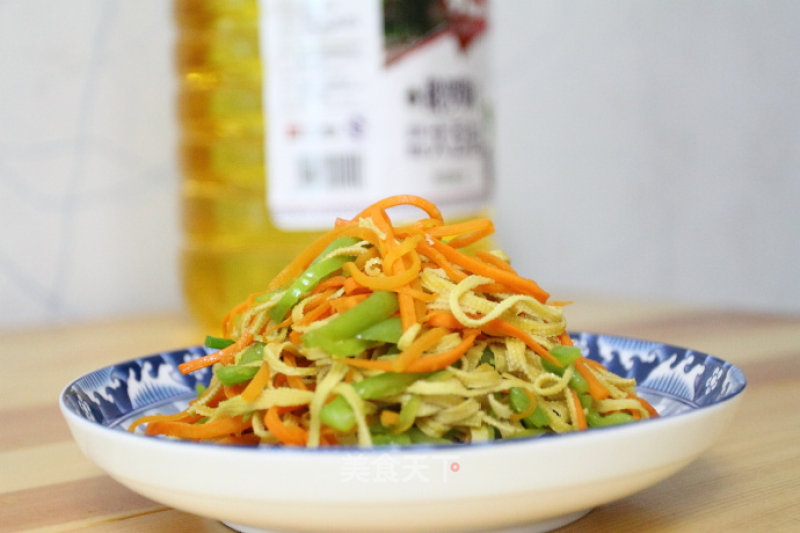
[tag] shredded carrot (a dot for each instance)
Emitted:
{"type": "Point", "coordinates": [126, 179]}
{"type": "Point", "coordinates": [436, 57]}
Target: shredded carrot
{"type": "Point", "coordinates": [224, 355]}
{"type": "Point", "coordinates": [444, 319]}
{"type": "Point", "coordinates": [494, 261]}
{"type": "Point", "coordinates": [257, 383]}
{"type": "Point", "coordinates": [442, 360]}
{"type": "Point", "coordinates": [501, 327]}
{"type": "Point", "coordinates": [597, 390]}
{"type": "Point", "coordinates": [233, 390]}
{"type": "Point", "coordinates": [646, 405]}
{"type": "Point", "coordinates": [303, 259]}
{"type": "Point", "coordinates": [437, 257]}
{"type": "Point", "coordinates": [333, 282]}
{"type": "Point", "coordinates": [397, 251]}
{"type": "Point", "coordinates": [565, 339]}
{"type": "Point", "coordinates": [296, 337]}
{"type": "Point", "coordinates": [467, 232]}
{"type": "Point", "coordinates": [279, 325]}
{"type": "Point", "coordinates": [387, 283]}
{"type": "Point", "coordinates": [417, 294]}
{"type": "Point", "coordinates": [292, 435]}
{"type": "Point", "coordinates": [351, 286]}
{"type": "Point", "coordinates": [315, 313]}
{"type": "Point", "coordinates": [227, 321]}
{"type": "Point", "coordinates": [208, 430]}
{"type": "Point", "coordinates": [344, 303]}
{"type": "Point", "coordinates": [493, 288]}
{"type": "Point", "coordinates": [476, 266]}
{"type": "Point", "coordinates": [580, 416]}
{"type": "Point", "coordinates": [496, 327]}
{"type": "Point", "coordinates": [427, 340]}
{"type": "Point", "coordinates": [177, 417]}
{"type": "Point", "coordinates": [403, 199]}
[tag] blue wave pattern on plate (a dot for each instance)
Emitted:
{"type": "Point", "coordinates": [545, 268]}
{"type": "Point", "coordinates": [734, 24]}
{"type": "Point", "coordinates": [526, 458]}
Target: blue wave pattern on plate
{"type": "Point", "coordinates": [674, 378]}
{"type": "Point", "coordinates": [114, 392]}
{"type": "Point", "coordinates": [687, 376]}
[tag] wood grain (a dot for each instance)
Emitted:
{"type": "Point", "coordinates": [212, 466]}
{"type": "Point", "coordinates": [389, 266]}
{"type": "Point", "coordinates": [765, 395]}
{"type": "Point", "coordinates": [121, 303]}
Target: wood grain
{"type": "Point", "coordinates": [750, 481]}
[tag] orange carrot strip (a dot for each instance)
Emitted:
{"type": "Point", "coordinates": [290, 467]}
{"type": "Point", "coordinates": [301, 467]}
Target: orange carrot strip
{"type": "Point", "coordinates": [257, 383]}
{"type": "Point", "coordinates": [315, 313]}
{"type": "Point", "coordinates": [224, 355]}
{"type": "Point", "coordinates": [227, 321]}
{"type": "Point", "coordinates": [344, 303]}
{"type": "Point", "coordinates": [438, 361]}
{"type": "Point", "coordinates": [304, 258]}
{"type": "Point", "coordinates": [233, 390]}
{"type": "Point", "coordinates": [565, 339]}
{"type": "Point", "coordinates": [403, 199]}
{"type": "Point", "coordinates": [501, 327]}
{"type": "Point", "coordinates": [427, 340]}
{"type": "Point", "coordinates": [450, 269]}
{"type": "Point", "coordinates": [395, 262]}
{"type": "Point", "coordinates": [493, 288]}
{"type": "Point", "coordinates": [209, 430]}
{"type": "Point", "coordinates": [466, 239]}
{"type": "Point", "coordinates": [296, 337]}
{"type": "Point", "coordinates": [397, 251]}
{"type": "Point", "coordinates": [416, 228]}
{"type": "Point", "coordinates": [331, 283]}
{"type": "Point", "coordinates": [351, 286]}
{"type": "Point", "coordinates": [597, 390]}
{"type": "Point", "coordinates": [647, 407]}
{"type": "Point", "coordinates": [277, 326]}
{"type": "Point", "coordinates": [292, 435]}
{"type": "Point", "coordinates": [421, 298]}
{"type": "Point", "coordinates": [429, 363]}
{"type": "Point", "coordinates": [407, 307]}
{"type": "Point", "coordinates": [580, 416]}
{"type": "Point", "coordinates": [444, 319]}
{"type": "Point", "coordinates": [461, 228]}
{"type": "Point", "coordinates": [417, 294]}
{"type": "Point", "coordinates": [494, 261]}
{"type": "Point", "coordinates": [388, 283]}
{"type": "Point", "coordinates": [183, 416]}
{"type": "Point", "coordinates": [476, 266]}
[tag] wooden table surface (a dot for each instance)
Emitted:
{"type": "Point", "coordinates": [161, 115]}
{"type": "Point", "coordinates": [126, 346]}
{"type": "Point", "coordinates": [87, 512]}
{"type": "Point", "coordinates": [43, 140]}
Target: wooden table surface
{"type": "Point", "coordinates": [750, 481]}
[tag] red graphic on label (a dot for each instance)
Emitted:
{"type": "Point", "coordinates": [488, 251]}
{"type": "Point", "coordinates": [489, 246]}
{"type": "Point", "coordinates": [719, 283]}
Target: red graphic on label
{"type": "Point", "coordinates": [408, 31]}
{"type": "Point", "coordinates": [467, 20]}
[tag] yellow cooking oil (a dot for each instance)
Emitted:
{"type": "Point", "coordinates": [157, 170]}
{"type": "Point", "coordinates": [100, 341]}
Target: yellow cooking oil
{"type": "Point", "coordinates": [232, 245]}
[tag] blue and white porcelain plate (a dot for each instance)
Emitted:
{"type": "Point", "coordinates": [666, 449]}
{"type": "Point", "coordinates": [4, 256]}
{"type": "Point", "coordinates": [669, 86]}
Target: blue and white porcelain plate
{"type": "Point", "coordinates": [530, 484]}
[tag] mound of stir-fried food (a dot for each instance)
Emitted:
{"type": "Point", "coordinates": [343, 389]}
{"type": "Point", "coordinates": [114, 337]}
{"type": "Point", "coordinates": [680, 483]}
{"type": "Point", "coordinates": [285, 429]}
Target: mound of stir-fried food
{"type": "Point", "coordinates": [380, 334]}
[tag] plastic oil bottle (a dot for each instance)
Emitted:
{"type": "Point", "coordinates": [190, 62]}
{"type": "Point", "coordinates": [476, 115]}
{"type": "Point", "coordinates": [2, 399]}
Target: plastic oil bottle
{"type": "Point", "coordinates": [295, 112]}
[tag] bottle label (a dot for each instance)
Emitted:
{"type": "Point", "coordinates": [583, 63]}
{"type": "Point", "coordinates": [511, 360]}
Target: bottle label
{"type": "Point", "coordinates": [364, 99]}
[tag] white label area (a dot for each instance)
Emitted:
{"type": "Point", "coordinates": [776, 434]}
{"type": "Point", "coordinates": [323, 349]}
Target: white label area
{"type": "Point", "coordinates": [362, 104]}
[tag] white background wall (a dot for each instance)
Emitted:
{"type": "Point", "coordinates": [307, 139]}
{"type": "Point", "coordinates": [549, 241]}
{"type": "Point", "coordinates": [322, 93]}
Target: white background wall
{"type": "Point", "coordinates": [644, 149]}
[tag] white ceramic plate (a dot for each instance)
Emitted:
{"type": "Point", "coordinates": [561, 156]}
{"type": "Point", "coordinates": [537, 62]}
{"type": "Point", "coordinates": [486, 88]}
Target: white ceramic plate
{"type": "Point", "coordinates": [523, 484]}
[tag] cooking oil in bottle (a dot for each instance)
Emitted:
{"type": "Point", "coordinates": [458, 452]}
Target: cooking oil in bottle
{"type": "Point", "coordinates": [295, 112]}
